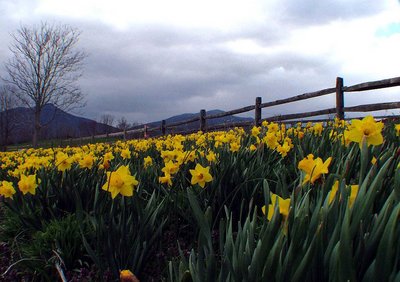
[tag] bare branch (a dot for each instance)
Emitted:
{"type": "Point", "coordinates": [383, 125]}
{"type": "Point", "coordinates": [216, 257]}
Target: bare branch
{"type": "Point", "coordinates": [123, 124]}
{"type": "Point", "coordinates": [45, 67]}
{"type": "Point", "coordinates": [8, 120]}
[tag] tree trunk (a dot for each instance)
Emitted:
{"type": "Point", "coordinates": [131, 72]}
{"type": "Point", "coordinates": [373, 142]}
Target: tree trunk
{"type": "Point", "coordinates": [2, 132]}
{"type": "Point", "coordinates": [36, 129]}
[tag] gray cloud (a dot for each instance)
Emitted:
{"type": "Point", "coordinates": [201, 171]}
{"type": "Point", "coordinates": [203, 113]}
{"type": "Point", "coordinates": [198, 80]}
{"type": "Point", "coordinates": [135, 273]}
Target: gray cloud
{"type": "Point", "coordinates": [295, 12]}
{"type": "Point", "coordinates": [151, 72]}
{"type": "Point", "coordinates": [163, 72]}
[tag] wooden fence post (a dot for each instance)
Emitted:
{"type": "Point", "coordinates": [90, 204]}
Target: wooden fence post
{"type": "Point", "coordinates": [257, 115]}
{"type": "Point", "coordinates": [339, 98]}
{"type": "Point", "coordinates": [203, 126]}
{"type": "Point", "coordinates": [145, 132]}
{"type": "Point", "coordinates": [163, 127]}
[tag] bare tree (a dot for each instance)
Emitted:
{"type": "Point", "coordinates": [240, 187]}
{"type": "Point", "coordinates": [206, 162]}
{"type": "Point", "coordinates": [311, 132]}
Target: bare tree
{"type": "Point", "coordinates": [123, 124]}
{"type": "Point", "coordinates": [7, 117]}
{"type": "Point", "coordinates": [108, 120]}
{"type": "Point", "coordinates": [44, 69]}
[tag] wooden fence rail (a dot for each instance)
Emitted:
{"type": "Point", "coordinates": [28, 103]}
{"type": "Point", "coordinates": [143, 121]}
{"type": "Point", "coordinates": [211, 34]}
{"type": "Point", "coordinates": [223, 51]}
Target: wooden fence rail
{"type": "Point", "coordinates": [339, 109]}
{"type": "Point", "coordinates": [390, 82]}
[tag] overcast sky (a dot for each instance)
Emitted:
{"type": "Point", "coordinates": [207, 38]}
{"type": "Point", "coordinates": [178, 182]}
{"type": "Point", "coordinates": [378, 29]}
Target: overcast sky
{"type": "Point", "coordinates": [149, 60]}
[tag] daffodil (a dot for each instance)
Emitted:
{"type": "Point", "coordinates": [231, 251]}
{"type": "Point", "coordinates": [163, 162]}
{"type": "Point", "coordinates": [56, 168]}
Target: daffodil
{"type": "Point", "coordinates": [170, 168]}
{"type": "Point", "coordinates": [273, 127]}
{"type": "Point", "coordinates": [220, 139]}
{"type": "Point", "coordinates": [352, 196]}
{"type": "Point", "coordinates": [367, 129]}
{"type": "Point", "coordinates": [86, 161]}
{"type": "Point", "coordinates": [317, 128]}
{"type": "Point", "coordinates": [255, 131]}
{"type": "Point", "coordinates": [201, 175]}
{"type": "Point", "coordinates": [333, 191]}
{"type": "Point", "coordinates": [284, 206]}
{"type": "Point", "coordinates": [125, 153]}
{"type": "Point", "coordinates": [28, 184]}
{"type": "Point", "coordinates": [16, 172]}
{"type": "Point", "coordinates": [166, 179]}
{"type": "Point", "coordinates": [108, 156]}
{"type": "Point", "coordinates": [397, 129]}
{"type": "Point", "coordinates": [148, 161]}
{"type": "Point", "coordinates": [127, 276]}
{"type": "Point", "coordinates": [120, 182]}
{"type": "Point", "coordinates": [7, 189]}
{"type": "Point", "coordinates": [211, 156]}
{"type": "Point", "coordinates": [313, 168]}
{"type": "Point", "coordinates": [338, 123]}
{"type": "Point", "coordinates": [234, 147]}
{"type": "Point", "coordinates": [167, 155]}
{"type": "Point", "coordinates": [283, 149]}
{"type": "Point", "coordinates": [63, 161]}
{"type": "Point", "coordinates": [190, 156]}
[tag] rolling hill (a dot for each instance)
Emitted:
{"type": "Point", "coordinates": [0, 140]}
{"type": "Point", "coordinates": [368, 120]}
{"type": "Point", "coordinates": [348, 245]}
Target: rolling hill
{"type": "Point", "coordinates": [59, 124]}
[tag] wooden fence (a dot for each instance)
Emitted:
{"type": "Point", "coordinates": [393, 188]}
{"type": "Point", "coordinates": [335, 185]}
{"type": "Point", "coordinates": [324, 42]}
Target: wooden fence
{"type": "Point", "coordinates": [339, 110]}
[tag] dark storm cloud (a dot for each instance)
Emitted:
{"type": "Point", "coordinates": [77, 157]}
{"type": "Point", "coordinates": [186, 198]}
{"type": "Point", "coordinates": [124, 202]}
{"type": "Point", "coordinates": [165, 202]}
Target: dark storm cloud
{"type": "Point", "coordinates": [153, 68]}
{"type": "Point", "coordinates": [150, 72]}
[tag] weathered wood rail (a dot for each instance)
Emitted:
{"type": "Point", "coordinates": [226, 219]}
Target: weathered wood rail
{"type": "Point", "coordinates": [339, 110]}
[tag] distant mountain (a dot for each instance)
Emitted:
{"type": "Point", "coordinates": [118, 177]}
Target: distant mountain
{"type": "Point", "coordinates": [196, 125]}
{"type": "Point", "coordinates": [58, 124]}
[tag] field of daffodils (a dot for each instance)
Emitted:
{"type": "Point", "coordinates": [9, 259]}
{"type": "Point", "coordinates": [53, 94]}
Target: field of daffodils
{"type": "Point", "coordinates": [305, 202]}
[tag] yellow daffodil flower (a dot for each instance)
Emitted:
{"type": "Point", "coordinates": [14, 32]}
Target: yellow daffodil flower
{"type": "Point", "coordinates": [352, 196]}
{"type": "Point", "coordinates": [108, 156]}
{"type": "Point", "coordinates": [273, 127]}
{"type": "Point", "coordinates": [127, 276]}
{"type": "Point", "coordinates": [63, 161]}
{"type": "Point", "coordinates": [28, 184]}
{"type": "Point", "coordinates": [86, 162]}
{"type": "Point", "coordinates": [255, 131]}
{"type": "Point", "coordinates": [397, 129]}
{"type": "Point", "coordinates": [148, 161]}
{"type": "Point", "coordinates": [313, 168]}
{"type": "Point", "coordinates": [190, 156]}
{"type": "Point", "coordinates": [317, 128]}
{"type": "Point", "coordinates": [125, 153]}
{"type": "Point", "coordinates": [120, 182]}
{"type": "Point", "coordinates": [200, 175]}
{"type": "Point", "coordinates": [284, 206]}
{"type": "Point", "coordinates": [170, 168]}
{"type": "Point", "coordinates": [166, 179]}
{"type": "Point", "coordinates": [211, 156]}
{"type": "Point", "coordinates": [283, 149]}
{"type": "Point", "coordinates": [368, 129]}
{"type": "Point", "coordinates": [271, 140]}
{"type": "Point", "coordinates": [234, 147]}
{"type": "Point", "coordinates": [7, 189]}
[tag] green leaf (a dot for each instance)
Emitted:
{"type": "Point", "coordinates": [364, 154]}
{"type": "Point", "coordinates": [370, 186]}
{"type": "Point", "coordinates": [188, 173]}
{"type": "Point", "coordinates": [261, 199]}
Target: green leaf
{"type": "Point", "coordinates": [386, 251]}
